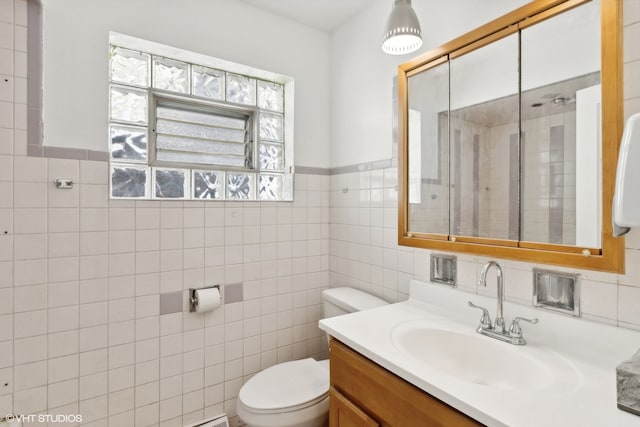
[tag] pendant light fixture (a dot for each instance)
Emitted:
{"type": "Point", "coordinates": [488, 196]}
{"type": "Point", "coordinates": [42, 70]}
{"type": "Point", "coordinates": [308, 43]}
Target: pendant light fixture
{"type": "Point", "coordinates": [402, 34]}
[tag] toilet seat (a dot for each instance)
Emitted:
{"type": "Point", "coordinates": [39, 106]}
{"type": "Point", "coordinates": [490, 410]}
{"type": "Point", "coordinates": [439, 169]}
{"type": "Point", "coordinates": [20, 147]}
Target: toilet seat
{"type": "Point", "coordinates": [286, 387]}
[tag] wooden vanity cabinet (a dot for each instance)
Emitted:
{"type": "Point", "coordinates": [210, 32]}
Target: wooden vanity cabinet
{"type": "Point", "coordinates": [363, 394]}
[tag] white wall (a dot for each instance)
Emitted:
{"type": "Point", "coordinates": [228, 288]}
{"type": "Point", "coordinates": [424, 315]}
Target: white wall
{"type": "Point", "coordinates": [361, 74]}
{"type": "Point", "coordinates": [75, 61]}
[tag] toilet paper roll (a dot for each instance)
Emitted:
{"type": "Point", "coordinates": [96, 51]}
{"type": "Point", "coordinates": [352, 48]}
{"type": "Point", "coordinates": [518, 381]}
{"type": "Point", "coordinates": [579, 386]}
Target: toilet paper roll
{"type": "Point", "coordinates": [208, 299]}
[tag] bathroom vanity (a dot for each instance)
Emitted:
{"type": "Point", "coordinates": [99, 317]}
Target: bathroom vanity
{"type": "Point", "coordinates": [421, 362]}
{"type": "Point", "coordinates": [364, 394]}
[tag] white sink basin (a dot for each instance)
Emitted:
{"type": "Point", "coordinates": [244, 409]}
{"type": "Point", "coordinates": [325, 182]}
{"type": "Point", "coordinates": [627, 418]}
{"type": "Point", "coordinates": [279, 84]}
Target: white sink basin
{"type": "Point", "coordinates": [481, 360]}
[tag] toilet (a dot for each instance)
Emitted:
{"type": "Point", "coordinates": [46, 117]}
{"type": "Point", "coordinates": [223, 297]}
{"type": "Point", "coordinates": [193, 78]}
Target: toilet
{"type": "Point", "coordinates": [296, 393]}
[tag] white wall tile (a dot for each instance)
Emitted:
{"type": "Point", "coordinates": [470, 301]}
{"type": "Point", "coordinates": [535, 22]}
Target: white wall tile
{"type": "Point", "coordinates": [30, 194]}
{"type": "Point", "coordinates": [62, 393]}
{"type": "Point", "coordinates": [94, 243]}
{"type": "Point", "coordinates": [93, 338]}
{"type": "Point", "coordinates": [63, 368]}
{"type": "Point", "coordinates": [93, 409]}
{"type": "Point", "coordinates": [631, 10]}
{"type": "Point", "coordinates": [121, 333]}
{"type": "Point", "coordinates": [6, 11]}
{"type": "Point", "coordinates": [628, 300]}
{"type": "Point", "coordinates": [147, 284]}
{"type": "Point", "coordinates": [63, 294]}
{"type": "Point", "coordinates": [93, 361]}
{"type": "Point", "coordinates": [147, 394]}
{"type": "Point", "coordinates": [147, 415]}
{"type": "Point", "coordinates": [121, 378]}
{"type": "Point", "coordinates": [121, 401]}
{"type": "Point", "coordinates": [6, 248]}
{"type": "Point", "coordinates": [121, 265]}
{"type": "Point", "coordinates": [65, 269]}
{"type": "Point", "coordinates": [147, 306]}
{"type": "Point", "coordinates": [95, 219]}
{"type": "Point", "coordinates": [29, 376]}
{"type": "Point", "coordinates": [93, 385]}
{"type": "Point", "coordinates": [30, 298]}
{"type": "Point", "coordinates": [63, 343]}
{"type": "Point", "coordinates": [147, 218]}
{"type": "Point", "coordinates": [171, 408]}
{"type": "Point", "coordinates": [30, 169]}
{"type": "Point", "coordinates": [6, 135]}
{"type": "Point", "coordinates": [94, 196]}
{"type": "Point", "coordinates": [63, 318]}
{"type": "Point", "coordinates": [147, 349]}
{"type": "Point", "coordinates": [93, 267]}
{"type": "Point", "coordinates": [6, 168]}
{"type": "Point", "coordinates": [6, 193]}
{"type": "Point", "coordinates": [6, 327]}
{"type": "Point", "coordinates": [6, 34]}
{"type": "Point", "coordinates": [6, 300]}
{"type": "Point", "coordinates": [94, 172]}
{"type": "Point", "coordinates": [63, 169]}
{"type": "Point", "coordinates": [93, 290]}
{"type": "Point", "coordinates": [29, 272]}
{"type": "Point", "coordinates": [30, 401]}
{"type": "Point", "coordinates": [171, 218]}
{"type": "Point", "coordinates": [30, 246]}
{"type": "Point", "coordinates": [121, 219]}
{"type": "Point", "coordinates": [61, 220]}
{"type": "Point", "coordinates": [20, 12]}
{"type": "Point", "coordinates": [30, 323]}
{"type": "Point", "coordinates": [147, 240]}
{"type": "Point", "coordinates": [63, 245]}
{"type": "Point", "coordinates": [148, 372]}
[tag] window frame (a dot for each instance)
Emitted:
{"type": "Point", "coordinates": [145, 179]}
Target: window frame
{"type": "Point", "coordinates": [274, 182]}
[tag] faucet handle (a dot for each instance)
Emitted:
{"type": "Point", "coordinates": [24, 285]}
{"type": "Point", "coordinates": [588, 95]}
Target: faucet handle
{"type": "Point", "coordinates": [515, 330]}
{"type": "Point", "coordinates": [485, 320]}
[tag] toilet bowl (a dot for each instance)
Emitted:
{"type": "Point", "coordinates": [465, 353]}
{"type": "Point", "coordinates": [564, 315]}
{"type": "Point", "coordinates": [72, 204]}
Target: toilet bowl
{"type": "Point", "coordinates": [296, 393]}
{"type": "Point", "coordinates": [290, 394]}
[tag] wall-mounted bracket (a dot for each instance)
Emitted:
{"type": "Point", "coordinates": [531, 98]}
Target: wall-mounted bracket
{"type": "Point", "coordinates": [63, 184]}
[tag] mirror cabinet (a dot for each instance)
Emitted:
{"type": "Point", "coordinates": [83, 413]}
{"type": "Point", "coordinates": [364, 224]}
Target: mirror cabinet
{"type": "Point", "coordinates": [509, 138]}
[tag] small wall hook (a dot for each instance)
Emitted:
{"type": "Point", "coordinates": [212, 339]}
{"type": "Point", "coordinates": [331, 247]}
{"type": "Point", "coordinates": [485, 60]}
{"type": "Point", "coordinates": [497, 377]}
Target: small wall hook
{"type": "Point", "coordinates": [63, 184]}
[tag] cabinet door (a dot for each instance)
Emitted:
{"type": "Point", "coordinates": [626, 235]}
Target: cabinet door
{"type": "Point", "coordinates": [343, 413]}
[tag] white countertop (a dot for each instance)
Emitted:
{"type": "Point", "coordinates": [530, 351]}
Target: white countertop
{"type": "Point", "coordinates": [593, 351]}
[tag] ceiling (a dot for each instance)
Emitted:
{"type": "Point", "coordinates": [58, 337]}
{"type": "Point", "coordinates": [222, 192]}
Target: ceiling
{"type": "Point", "coordinates": [325, 15]}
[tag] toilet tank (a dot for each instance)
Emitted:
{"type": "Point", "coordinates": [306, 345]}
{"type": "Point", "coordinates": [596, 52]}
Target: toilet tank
{"type": "Point", "coordinates": [337, 301]}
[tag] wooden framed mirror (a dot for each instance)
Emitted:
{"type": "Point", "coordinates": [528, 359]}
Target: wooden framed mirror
{"type": "Point", "coordinates": [509, 138]}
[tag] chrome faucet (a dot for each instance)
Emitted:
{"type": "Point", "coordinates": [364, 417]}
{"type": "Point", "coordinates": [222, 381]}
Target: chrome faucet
{"type": "Point", "coordinates": [499, 324]}
{"type": "Point", "coordinates": [497, 330]}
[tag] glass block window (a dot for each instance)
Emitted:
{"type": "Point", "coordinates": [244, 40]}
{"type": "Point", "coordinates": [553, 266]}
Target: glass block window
{"type": "Point", "coordinates": [129, 182]}
{"type": "Point", "coordinates": [129, 67]}
{"type": "Point", "coordinates": [170, 184]}
{"type": "Point", "coordinates": [202, 129]}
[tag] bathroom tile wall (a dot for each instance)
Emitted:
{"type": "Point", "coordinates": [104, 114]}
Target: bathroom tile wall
{"type": "Point", "coordinates": [364, 252]}
{"type": "Point", "coordinates": [81, 278]}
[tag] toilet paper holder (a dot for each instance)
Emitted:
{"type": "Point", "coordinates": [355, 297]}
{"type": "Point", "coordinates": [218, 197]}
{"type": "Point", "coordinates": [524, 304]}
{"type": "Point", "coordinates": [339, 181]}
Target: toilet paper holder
{"type": "Point", "coordinates": [193, 298]}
